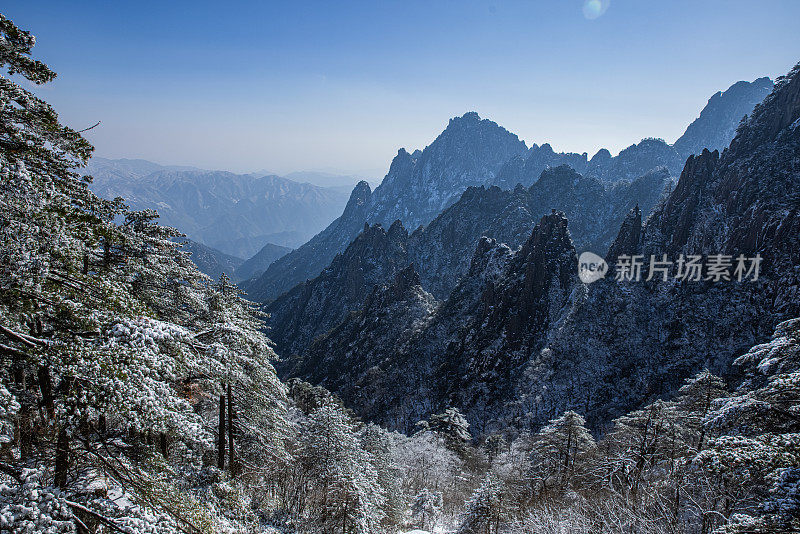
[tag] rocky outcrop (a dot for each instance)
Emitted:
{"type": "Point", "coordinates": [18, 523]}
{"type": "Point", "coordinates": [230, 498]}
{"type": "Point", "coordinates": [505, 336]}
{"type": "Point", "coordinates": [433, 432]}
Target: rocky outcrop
{"type": "Point", "coordinates": [629, 238]}
{"type": "Point", "coordinates": [475, 152]}
{"type": "Point", "coordinates": [484, 331]}
{"type": "Point", "coordinates": [640, 158]}
{"type": "Point", "coordinates": [442, 250]}
{"type": "Point", "coordinates": [714, 130]}
{"type": "Point", "coordinates": [346, 360]}
{"type": "Point", "coordinates": [676, 220]}
{"type": "Point", "coordinates": [526, 170]}
{"type": "Point", "coordinates": [626, 342]}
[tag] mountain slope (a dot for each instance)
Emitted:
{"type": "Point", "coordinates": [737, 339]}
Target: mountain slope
{"type": "Point", "coordinates": [716, 126]}
{"type": "Point", "coordinates": [210, 261]}
{"type": "Point", "coordinates": [443, 249]}
{"type": "Point", "coordinates": [313, 307]}
{"type": "Point", "coordinates": [106, 170]}
{"type": "Point", "coordinates": [257, 264]}
{"type": "Point", "coordinates": [311, 258]}
{"type": "Point", "coordinates": [417, 375]}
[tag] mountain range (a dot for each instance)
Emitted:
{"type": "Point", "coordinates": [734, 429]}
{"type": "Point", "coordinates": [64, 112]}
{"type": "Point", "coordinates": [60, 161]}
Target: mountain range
{"type": "Point", "coordinates": [471, 152]}
{"type": "Point", "coordinates": [454, 282]}
{"type": "Point", "coordinates": [511, 336]}
{"type": "Point", "coordinates": [520, 338]}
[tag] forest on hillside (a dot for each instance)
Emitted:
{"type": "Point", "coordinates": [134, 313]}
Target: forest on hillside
{"type": "Point", "coordinates": [138, 395]}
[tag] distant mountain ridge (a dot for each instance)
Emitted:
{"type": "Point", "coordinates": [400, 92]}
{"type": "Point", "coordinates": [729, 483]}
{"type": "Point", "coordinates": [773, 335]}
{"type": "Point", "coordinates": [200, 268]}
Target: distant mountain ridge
{"type": "Point", "coordinates": [471, 152]}
{"type": "Point", "coordinates": [214, 263]}
{"type": "Point", "coordinates": [236, 214]}
{"type": "Point", "coordinates": [259, 262]}
{"type": "Point", "coordinates": [326, 179]}
{"type": "Point", "coordinates": [714, 129]}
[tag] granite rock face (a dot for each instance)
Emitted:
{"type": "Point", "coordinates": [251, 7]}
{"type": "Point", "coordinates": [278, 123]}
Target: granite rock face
{"type": "Point", "coordinates": [473, 152]}
{"type": "Point", "coordinates": [418, 186]}
{"type": "Point", "coordinates": [315, 306]}
{"type": "Point", "coordinates": [442, 250]}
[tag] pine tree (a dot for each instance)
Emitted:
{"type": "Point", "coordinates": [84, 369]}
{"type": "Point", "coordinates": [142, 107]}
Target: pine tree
{"type": "Point", "coordinates": [378, 443]}
{"type": "Point", "coordinates": [754, 460]}
{"type": "Point", "coordinates": [695, 399]}
{"type": "Point", "coordinates": [640, 441]}
{"type": "Point", "coordinates": [557, 450]}
{"type": "Point", "coordinates": [110, 329]}
{"type": "Point", "coordinates": [347, 497]}
{"type": "Point", "coordinates": [494, 445]}
{"type": "Point", "coordinates": [484, 510]}
{"type": "Point", "coordinates": [452, 426]}
{"type": "Point", "coordinates": [426, 508]}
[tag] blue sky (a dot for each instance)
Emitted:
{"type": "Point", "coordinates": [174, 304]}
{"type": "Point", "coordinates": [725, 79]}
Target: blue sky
{"type": "Point", "coordinates": [342, 85]}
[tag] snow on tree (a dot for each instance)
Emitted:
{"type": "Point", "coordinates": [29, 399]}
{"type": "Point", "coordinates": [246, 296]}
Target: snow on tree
{"type": "Point", "coordinates": [346, 495]}
{"type": "Point", "coordinates": [379, 443]}
{"type": "Point", "coordinates": [426, 508]}
{"type": "Point", "coordinates": [754, 460]}
{"type": "Point", "coordinates": [641, 441]}
{"type": "Point", "coordinates": [695, 399]}
{"type": "Point", "coordinates": [484, 510]}
{"type": "Point", "coordinates": [452, 426]}
{"type": "Point", "coordinates": [111, 338]}
{"type": "Point", "coordinates": [558, 449]}
{"type": "Point", "coordinates": [29, 504]}
{"type": "Point", "coordinates": [426, 462]}
{"type": "Point", "coordinates": [494, 445]}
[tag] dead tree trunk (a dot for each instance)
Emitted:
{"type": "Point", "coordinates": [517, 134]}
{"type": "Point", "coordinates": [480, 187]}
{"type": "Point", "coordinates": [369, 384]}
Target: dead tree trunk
{"type": "Point", "coordinates": [221, 433]}
{"type": "Point", "coordinates": [230, 429]}
{"type": "Point", "coordinates": [62, 459]}
{"type": "Point", "coordinates": [46, 388]}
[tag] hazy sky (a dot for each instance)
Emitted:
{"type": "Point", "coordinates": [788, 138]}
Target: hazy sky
{"type": "Point", "coordinates": [342, 85]}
